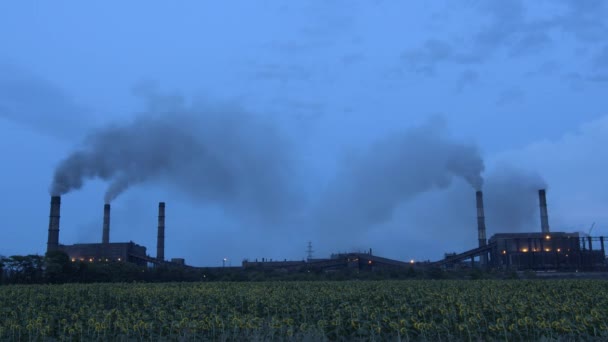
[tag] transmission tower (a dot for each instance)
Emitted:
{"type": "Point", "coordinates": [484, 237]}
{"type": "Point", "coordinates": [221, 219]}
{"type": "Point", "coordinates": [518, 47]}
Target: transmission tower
{"type": "Point", "coordinates": [309, 251]}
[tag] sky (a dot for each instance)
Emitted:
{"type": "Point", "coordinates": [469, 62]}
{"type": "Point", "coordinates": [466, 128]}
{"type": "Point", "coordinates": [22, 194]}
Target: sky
{"type": "Point", "coordinates": [265, 125]}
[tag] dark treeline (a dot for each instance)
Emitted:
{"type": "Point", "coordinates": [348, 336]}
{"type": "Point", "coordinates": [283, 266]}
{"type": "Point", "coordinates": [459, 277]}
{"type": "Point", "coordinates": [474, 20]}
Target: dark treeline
{"type": "Point", "coordinates": [57, 268]}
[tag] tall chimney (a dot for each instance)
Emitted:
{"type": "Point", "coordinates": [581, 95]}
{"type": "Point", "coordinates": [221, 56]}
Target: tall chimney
{"type": "Point", "coordinates": [544, 216]}
{"type": "Point", "coordinates": [106, 224]}
{"type": "Point", "coordinates": [481, 226]}
{"type": "Point", "coordinates": [481, 220]}
{"type": "Point", "coordinates": [53, 239]}
{"type": "Point", "coordinates": [160, 243]}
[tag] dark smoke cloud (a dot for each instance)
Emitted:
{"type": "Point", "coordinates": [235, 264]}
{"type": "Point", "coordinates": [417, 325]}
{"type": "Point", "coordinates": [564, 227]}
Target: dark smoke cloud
{"type": "Point", "coordinates": [371, 185]}
{"type": "Point", "coordinates": [511, 200]}
{"type": "Point", "coordinates": [214, 153]}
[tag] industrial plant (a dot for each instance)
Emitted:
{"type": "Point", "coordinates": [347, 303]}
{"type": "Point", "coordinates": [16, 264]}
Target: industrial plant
{"type": "Point", "coordinates": [107, 251]}
{"type": "Point", "coordinates": [541, 250]}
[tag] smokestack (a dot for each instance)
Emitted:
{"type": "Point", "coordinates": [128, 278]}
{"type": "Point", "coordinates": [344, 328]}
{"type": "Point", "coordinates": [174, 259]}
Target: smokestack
{"type": "Point", "coordinates": [106, 224]}
{"type": "Point", "coordinates": [544, 216]}
{"type": "Point", "coordinates": [53, 239]}
{"type": "Point", "coordinates": [481, 220]}
{"type": "Point", "coordinates": [160, 243]}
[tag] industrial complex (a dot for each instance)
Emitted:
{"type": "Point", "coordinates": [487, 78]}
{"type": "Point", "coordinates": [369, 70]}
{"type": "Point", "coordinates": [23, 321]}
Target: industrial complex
{"type": "Point", "coordinates": [107, 251]}
{"type": "Point", "coordinates": [541, 250]}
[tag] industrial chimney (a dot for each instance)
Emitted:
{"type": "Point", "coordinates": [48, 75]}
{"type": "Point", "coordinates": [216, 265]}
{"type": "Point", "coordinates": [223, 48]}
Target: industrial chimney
{"type": "Point", "coordinates": [105, 239]}
{"type": "Point", "coordinates": [53, 239]}
{"type": "Point", "coordinates": [160, 243]}
{"type": "Point", "coordinates": [481, 226]}
{"type": "Point", "coordinates": [481, 220]}
{"type": "Point", "coordinates": [544, 216]}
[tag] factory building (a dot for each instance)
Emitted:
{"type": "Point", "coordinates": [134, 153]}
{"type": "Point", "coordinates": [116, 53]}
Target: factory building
{"type": "Point", "coordinates": [106, 251]}
{"type": "Point", "coordinates": [99, 252]}
{"type": "Point", "coordinates": [546, 250]}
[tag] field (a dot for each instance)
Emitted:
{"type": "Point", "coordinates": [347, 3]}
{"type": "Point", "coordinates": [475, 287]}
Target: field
{"type": "Point", "coordinates": [440, 310]}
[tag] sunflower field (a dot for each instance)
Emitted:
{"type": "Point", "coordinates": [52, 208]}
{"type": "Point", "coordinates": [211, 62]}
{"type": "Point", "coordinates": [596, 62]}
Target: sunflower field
{"type": "Point", "coordinates": [415, 310]}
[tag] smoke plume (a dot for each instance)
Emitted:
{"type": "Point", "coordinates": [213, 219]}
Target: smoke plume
{"type": "Point", "coordinates": [371, 185]}
{"type": "Point", "coordinates": [216, 153]}
{"type": "Point", "coordinates": [511, 200]}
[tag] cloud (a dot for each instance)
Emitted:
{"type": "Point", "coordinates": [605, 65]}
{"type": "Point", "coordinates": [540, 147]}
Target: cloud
{"type": "Point", "coordinates": [530, 43]}
{"type": "Point", "coordinates": [466, 78]}
{"type": "Point", "coordinates": [432, 53]}
{"type": "Point", "coordinates": [599, 78]}
{"type": "Point", "coordinates": [510, 96]}
{"type": "Point", "coordinates": [353, 58]}
{"type": "Point", "coordinates": [586, 20]}
{"type": "Point", "coordinates": [545, 69]}
{"type": "Point", "coordinates": [517, 28]}
{"type": "Point", "coordinates": [280, 72]}
{"type": "Point", "coordinates": [298, 46]}
{"type": "Point", "coordinates": [600, 61]}
{"type": "Point", "coordinates": [30, 100]}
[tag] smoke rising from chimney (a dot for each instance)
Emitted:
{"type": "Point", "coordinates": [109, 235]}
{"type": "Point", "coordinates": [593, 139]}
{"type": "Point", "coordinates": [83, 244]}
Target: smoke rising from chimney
{"type": "Point", "coordinates": [224, 155]}
{"type": "Point", "coordinates": [217, 153]}
{"type": "Point", "coordinates": [371, 185]}
{"type": "Point", "coordinates": [512, 199]}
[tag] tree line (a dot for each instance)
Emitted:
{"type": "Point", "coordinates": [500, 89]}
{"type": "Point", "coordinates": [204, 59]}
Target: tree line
{"type": "Point", "coordinates": [56, 268]}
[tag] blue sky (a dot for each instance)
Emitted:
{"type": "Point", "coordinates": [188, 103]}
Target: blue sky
{"type": "Point", "coordinates": [338, 80]}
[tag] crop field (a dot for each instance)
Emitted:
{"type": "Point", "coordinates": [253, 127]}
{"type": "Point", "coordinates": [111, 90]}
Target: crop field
{"type": "Point", "coordinates": [427, 310]}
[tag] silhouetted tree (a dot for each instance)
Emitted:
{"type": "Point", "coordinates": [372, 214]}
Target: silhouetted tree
{"type": "Point", "coordinates": [58, 268]}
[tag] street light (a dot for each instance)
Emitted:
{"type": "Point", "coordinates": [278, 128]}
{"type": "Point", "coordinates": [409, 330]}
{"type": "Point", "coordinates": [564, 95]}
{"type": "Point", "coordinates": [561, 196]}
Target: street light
{"type": "Point", "coordinates": [224, 262]}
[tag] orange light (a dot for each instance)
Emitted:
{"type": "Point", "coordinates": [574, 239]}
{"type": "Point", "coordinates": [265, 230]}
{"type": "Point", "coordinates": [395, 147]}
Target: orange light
{"type": "Point", "coordinates": [91, 260]}
{"type": "Point", "coordinates": [504, 252]}
{"type": "Point", "coordinates": [559, 250]}
{"type": "Point", "coordinates": [548, 237]}
{"type": "Point", "coordinates": [547, 249]}
{"type": "Point", "coordinates": [525, 250]}
{"type": "Point", "coordinates": [73, 259]}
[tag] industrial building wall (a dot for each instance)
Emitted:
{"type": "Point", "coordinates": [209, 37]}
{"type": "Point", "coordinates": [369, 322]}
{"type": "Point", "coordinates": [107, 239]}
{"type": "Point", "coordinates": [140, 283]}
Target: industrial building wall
{"type": "Point", "coordinates": [565, 252]}
{"type": "Point", "coordinates": [99, 252]}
